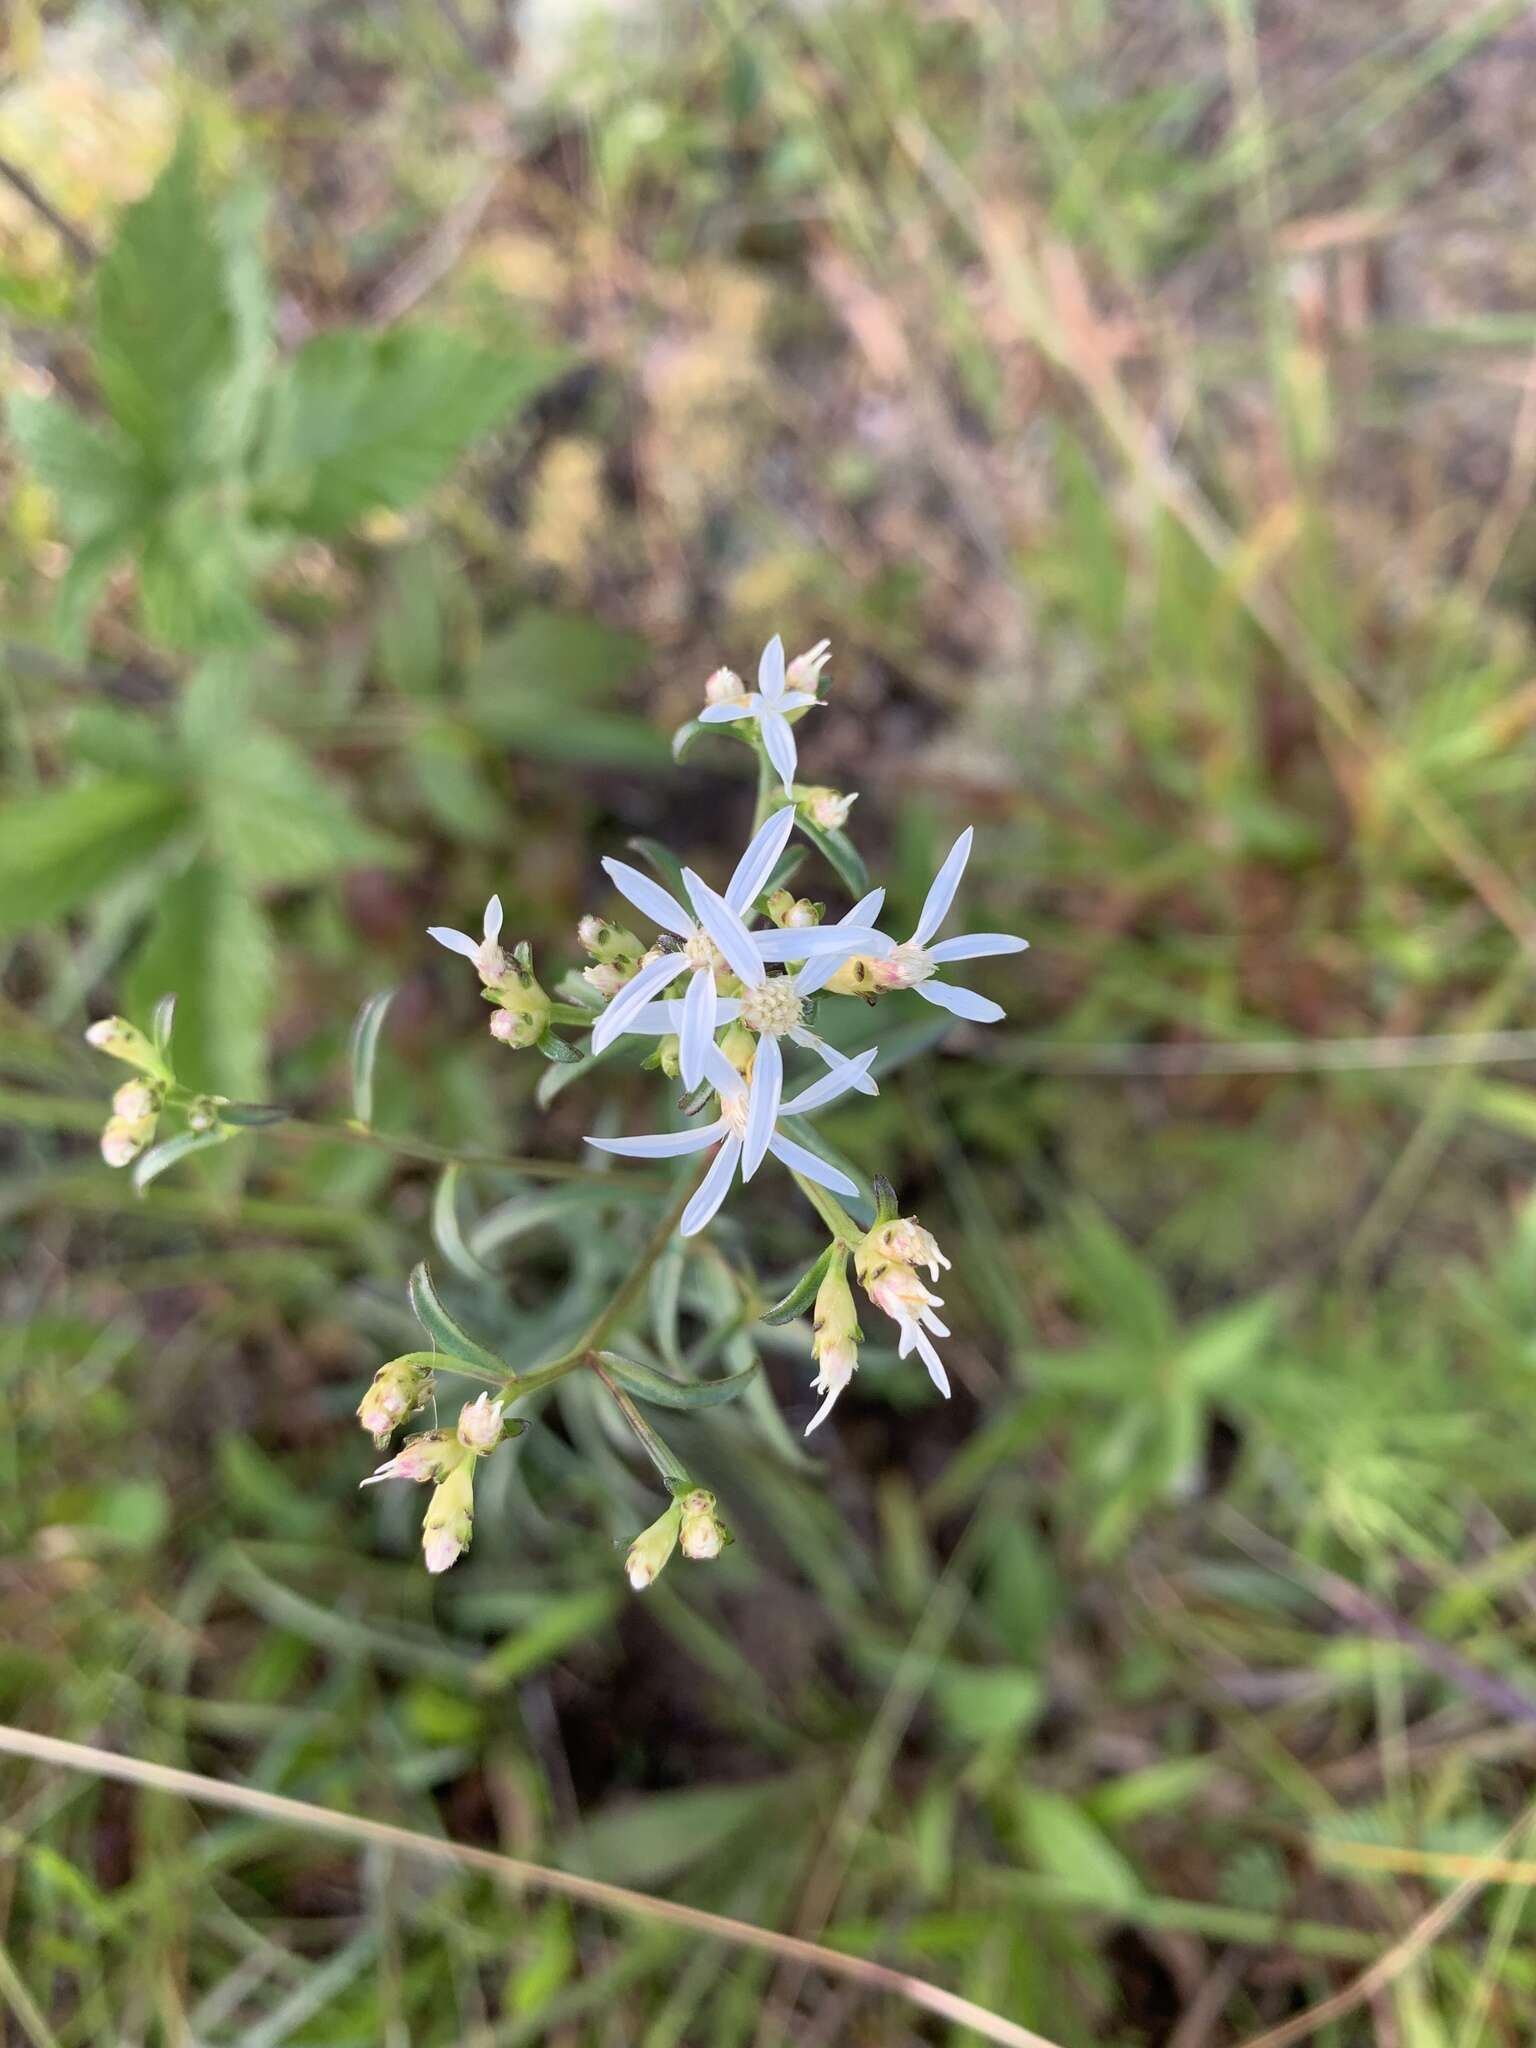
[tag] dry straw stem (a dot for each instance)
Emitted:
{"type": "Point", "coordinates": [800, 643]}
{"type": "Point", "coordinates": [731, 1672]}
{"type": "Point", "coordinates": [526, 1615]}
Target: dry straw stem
{"type": "Point", "coordinates": [513, 1871]}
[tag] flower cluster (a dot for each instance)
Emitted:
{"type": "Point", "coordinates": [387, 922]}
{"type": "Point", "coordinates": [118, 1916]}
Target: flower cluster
{"type": "Point", "coordinates": [730, 987]}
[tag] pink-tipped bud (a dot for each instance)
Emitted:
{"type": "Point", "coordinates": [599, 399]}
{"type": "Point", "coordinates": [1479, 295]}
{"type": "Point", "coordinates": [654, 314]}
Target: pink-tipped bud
{"type": "Point", "coordinates": [825, 807]}
{"type": "Point", "coordinates": [450, 1518]}
{"type": "Point", "coordinates": [425, 1457]}
{"type": "Point", "coordinates": [135, 1101]}
{"type": "Point", "coordinates": [607, 977]}
{"type": "Point", "coordinates": [123, 1140]}
{"type": "Point", "coordinates": [804, 672]}
{"type": "Point", "coordinates": [398, 1390]}
{"type": "Point", "coordinates": [905, 1240]}
{"type": "Point", "coordinates": [480, 1425]}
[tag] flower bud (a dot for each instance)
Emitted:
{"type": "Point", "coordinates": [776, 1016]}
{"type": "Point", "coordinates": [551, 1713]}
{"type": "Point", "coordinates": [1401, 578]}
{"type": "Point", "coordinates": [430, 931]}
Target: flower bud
{"type": "Point", "coordinates": [432, 1456]}
{"type": "Point", "coordinates": [523, 1016]}
{"type": "Point", "coordinates": [904, 1240]}
{"type": "Point", "coordinates": [702, 1533]}
{"type": "Point", "coordinates": [135, 1101]}
{"type": "Point", "coordinates": [124, 1138]}
{"type": "Point", "coordinates": [794, 913]}
{"type": "Point", "coordinates": [669, 1056]}
{"type": "Point", "coordinates": [804, 672]}
{"type": "Point", "coordinates": [480, 1425]}
{"type": "Point", "coordinates": [739, 1047]}
{"type": "Point", "coordinates": [835, 1345]}
{"type": "Point", "coordinates": [609, 942]}
{"type": "Point", "coordinates": [825, 807]}
{"type": "Point", "coordinates": [450, 1517]}
{"type": "Point", "coordinates": [725, 687]}
{"type": "Point", "coordinates": [652, 1547]}
{"type": "Point", "coordinates": [398, 1390]}
{"type": "Point", "coordinates": [203, 1112]}
{"type": "Point", "coordinates": [855, 977]}
{"type": "Point", "coordinates": [609, 976]}
{"type": "Point", "coordinates": [120, 1040]}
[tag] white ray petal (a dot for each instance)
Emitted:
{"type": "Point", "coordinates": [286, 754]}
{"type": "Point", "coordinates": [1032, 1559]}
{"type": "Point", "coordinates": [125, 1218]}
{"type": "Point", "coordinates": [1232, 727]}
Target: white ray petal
{"type": "Point", "coordinates": [845, 1075]}
{"type": "Point", "coordinates": [632, 997]}
{"type": "Point", "coordinates": [779, 741]}
{"type": "Point", "coordinates": [713, 1189]}
{"type": "Point", "coordinates": [800, 1161]}
{"type": "Point", "coordinates": [725, 927]}
{"type": "Point", "coordinates": [763, 1109]}
{"type": "Point", "coordinates": [961, 1002]}
{"type": "Point", "coordinates": [799, 700]}
{"type": "Point", "coordinates": [723, 714]}
{"type": "Point", "coordinates": [698, 1026]}
{"type": "Point", "coordinates": [801, 942]}
{"type": "Point", "coordinates": [866, 910]}
{"type": "Point", "coordinates": [836, 1061]}
{"type": "Point", "coordinates": [770, 669]}
{"type": "Point", "coordinates": [659, 904]}
{"type": "Point", "coordinates": [913, 1339]}
{"type": "Point", "coordinates": [657, 1020]}
{"type": "Point", "coordinates": [720, 1074]}
{"type": "Point", "coordinates": [942, 893]}
{"type": "Point", "coordinates": [760, 859]}
{"type": "Point", "coordinates": [456, 942]}
{"type": "Point", "coordinates": [822, 1412]}
{"type": "Point", "coordinates": [492, 924]}
{"type": "Point", "coordinates": [664, 1145]}
{"type": "Point", "coordinates": [977, 946]}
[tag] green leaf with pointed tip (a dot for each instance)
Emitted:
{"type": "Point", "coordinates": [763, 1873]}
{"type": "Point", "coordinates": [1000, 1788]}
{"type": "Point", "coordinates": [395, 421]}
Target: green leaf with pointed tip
{"type": "Point", "coordinates": [839, 850]}
{"type": "Point", "coordinates": [443, 1329]}
{"type": "Point", "coordinates": [59, 847]}
{"type": "Point", "coordinates": [665, 862]}
{"type": "Point", "coordinates": [556, 1049]}
{"type": "Point", "coordinates": [251, 1116]}
{"type": "Point", "coordinates": [366, 1026]}
{"type": "Point", "coordinates": [648, 1384]}
{"type": "Point", "coordinates": [155, 1161]}
{"type": "Point", "coordinates": [210, 941]}
{"type": "Point", "coordinates": [802, 1294]}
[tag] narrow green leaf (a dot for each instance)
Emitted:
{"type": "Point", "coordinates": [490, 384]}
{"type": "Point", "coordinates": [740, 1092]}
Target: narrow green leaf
{"type": "Point", "coordinates": [839, 850]}
{"type": "Point", "coordinates": [560, 1622]}
{"type": "Point", "coordinates": [802, 1294]}
{"type": "Point", "coordinates": [163, 1023]}
{"type": "Point", "coordinates": [251, 1116]}
{"type": "Point", "coordinates": [556, 1049]}
{"type": "Point", "coordinates": [649, 1384]}
{"type": "Point", "coordinates": [447, 1233]}
{"type": "Point", "coordinates": [686, 734]}
{"type": "Point", "coordinates": [442, 1328]}
{"type": "Point", "coordinates": [665, 862]}
{"type": "Point", "coordinates": [153, 1163]}
{"type": "Point", "coordinates": [366, 1027]}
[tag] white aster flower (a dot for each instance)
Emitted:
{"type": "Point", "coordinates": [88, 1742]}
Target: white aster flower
{"type": "Point", "coordinates": [701, 1011]}
{"type": "Point", "coordinates": [746, 1129]}
{"type": "Point", "coordinates": [776, 695]}
{"type": "Point", "coordinates": [490, 963]}
{"type": "Point", "coordinates": [912, 964]}
{"type": "Point", "coordinates": [772, 1005]}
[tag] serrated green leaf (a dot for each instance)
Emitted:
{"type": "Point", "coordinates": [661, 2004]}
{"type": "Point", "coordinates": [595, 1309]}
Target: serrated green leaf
{"type": "Point", "coordinates": [360, 420]}
{"type": "Point", "coordinates": [647, 1383]}
{"type": "Point", "coordinates": [159, 1158]}
{"type": "Point", "coordinates": [210, 942]}
{"type": "Point", "coordinates": [838, 849]}
{"type": "Point", "coordinates": [97, 476]}
{"type": "Point", "coordinates": [165, 335]}
{"type": "Point", "coordinates": [444, 1330]}
{"type": "Point", "coordinates": [366, 1027]}
{"type": "Point", "coordinates": [58, 848]}
{"type": "Point", "coordinates": [120, 741]}
{"type": "Point", "coordinates": [199, 564]}
{"type": "Point", "coordinates": [802, 1294]}
{"type": "Point", "coordinates": [276, 820]}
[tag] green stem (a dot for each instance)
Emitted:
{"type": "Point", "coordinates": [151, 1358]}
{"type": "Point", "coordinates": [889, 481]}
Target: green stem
{"type": "Point", "coordinates": [767, 782]}
{"type": "Point", "coordinates": [660, 1453]}
{"type": "Point", "coordinates": [830, 1210]}
{"type": "Point", "coordinates": [629, 1287]}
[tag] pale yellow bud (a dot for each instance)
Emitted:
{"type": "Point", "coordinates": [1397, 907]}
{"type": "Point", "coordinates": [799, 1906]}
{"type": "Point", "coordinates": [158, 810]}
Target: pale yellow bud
{"type": "Point", "coordinates": [609, 942]}
{"type": "Point", "coordinates": [398, 1389]}
{"type": "Point", "coordinates": [702, 1534]}
{"type": "Point", "coordinates": [450, 1518]}
{"type": "Point", "coordinates": [123, 1140]}
{"type": "Point", "coordinates": [120, 1040]}
{"type": "Point", "coordinates": [725, 687]}
{"type": "Point", "coordinates": [825, 807]}
{"type": "Point", "coordinates": [136, 1100]}
{"type": "Point", "coordinates": [480, 1425]}
{"type": "Point", "coordinates": [650, 1550]}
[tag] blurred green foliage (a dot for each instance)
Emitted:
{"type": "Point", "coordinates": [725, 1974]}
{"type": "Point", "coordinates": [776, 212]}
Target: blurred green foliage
{"type": "Point", "coordinates": [321, 623]}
